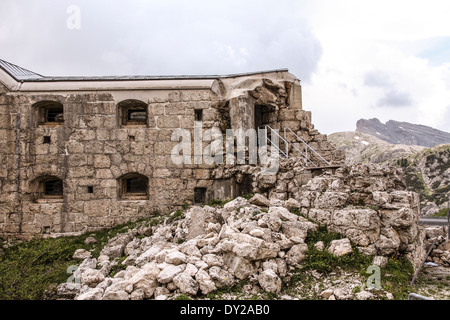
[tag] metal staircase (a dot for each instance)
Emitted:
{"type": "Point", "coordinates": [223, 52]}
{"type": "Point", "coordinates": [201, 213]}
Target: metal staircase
{"type": "Point", "coordinates": [285, 146]}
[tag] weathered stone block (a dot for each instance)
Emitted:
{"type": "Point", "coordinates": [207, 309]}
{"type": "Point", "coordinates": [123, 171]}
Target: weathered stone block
{"type": "Point", "coordinates": [168, 122]}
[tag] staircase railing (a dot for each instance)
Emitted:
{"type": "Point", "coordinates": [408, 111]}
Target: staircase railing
{"type": "Point", "coordinates": [307, 146]}
{"type": "Point", "coordinates": [285, 153]}
{"type": "Point", "coordinates": [288, 144]}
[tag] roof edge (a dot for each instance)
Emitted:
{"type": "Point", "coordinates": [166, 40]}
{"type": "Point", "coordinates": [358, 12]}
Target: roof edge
{"type": "Point", "coordinates": [137, 78]}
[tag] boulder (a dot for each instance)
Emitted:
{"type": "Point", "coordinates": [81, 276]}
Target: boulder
{"type": "Point", "coordinates": [319, 246]}
{"type": "Point", "coordinates": [68, 290]}
{"type": "Point", "coordinates": [364, 295]}
{"type": "Point", "coordinates": [340, 247]}
{"type": "Point", "coordinates": [186, 283]}
{"type": "Point", "coordinates": [273, 222]}
{"type": "Point", "coordinates": [94, 294]}
{"type": "Point", "coordinates": [175, 257]}
{"type": "Point", "coordinates": [240, 267]}
{"type": "Point", "coordinates": [221, 277]}
{"type": "Point", "coordinates": [90, 240]}
{"type": "Point", "coordinates": [296, 254]}
{"type": "Point", "coordinates": [205, 282]}
{"type": "Point", "coordinates": [168, 273]}
{"type": "Point", "coordinates": [269, 281]}
{"type": "Point", "coordinates": [81, 254]}
{"type": "Point", "coordinates": [260, 200]}
{"type": "Point", "coordinates": [239, 202]}
{"type": "Point", "coordinates": [380, 261]}
{"type": "Point", "coordinates": [283, 213]}
{"type": "Point", "coordinates": [117, 291]}
{"type": "Point", "coordinates": [138, 294]}
{"type": "Point", "coordinates": [92, 277]}
{"type": "Point", "coordinates": [213, 260]}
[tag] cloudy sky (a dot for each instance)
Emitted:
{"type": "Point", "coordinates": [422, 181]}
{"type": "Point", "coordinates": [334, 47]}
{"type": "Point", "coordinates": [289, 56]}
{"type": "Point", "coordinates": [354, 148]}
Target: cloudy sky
{"type": "Point", "coordinates": [355, 58]}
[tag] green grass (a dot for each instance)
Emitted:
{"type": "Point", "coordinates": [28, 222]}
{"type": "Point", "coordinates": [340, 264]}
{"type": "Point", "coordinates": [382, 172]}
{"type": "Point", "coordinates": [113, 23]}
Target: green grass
{"type": "Point", "coordinates": [322, 234]}
{"type": "Point", "coordinates": [396, 277]}
{"type": "Point", "coordinates": [236, 290]}
{"type": "Point", "coordinates": [27, 269]}
{"type": "Point", "coordinates": [248, 196]}
{"type": "Point", "coordinates": [217, 202]}
{"type": "Point", "coordinates": [442, 213]}
{"type": "Point", "coordinates": [118, 267]}
{"type": "Point", "coordinates": [178, 215]}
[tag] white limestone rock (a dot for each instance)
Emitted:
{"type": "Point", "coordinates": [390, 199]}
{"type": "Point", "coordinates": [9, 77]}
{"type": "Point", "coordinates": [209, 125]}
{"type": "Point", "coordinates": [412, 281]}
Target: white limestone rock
{"type": "Point", "coordinates": [269, 281]}
{"type": "Point", "coordinates": [340, 247]}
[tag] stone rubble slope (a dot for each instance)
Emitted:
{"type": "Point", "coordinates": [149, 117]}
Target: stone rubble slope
{"type": "Point", "coordinates": [369, 204]}
{"type": "Point", "coordinates": [259, 240]}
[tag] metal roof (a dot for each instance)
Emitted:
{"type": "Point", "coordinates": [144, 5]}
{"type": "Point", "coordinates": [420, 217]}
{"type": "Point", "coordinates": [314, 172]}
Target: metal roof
{"type": "Point", "coordinates": [23, 74]}
{"type": "Point", "coordinates": [17, 72]}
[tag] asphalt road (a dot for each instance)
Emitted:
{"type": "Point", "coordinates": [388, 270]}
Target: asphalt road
{"type": "Point", "coordinates": [434, 221]}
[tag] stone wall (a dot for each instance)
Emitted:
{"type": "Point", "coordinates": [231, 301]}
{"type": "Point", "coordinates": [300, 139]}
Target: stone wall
{"type": "Point", "coordinates": [370, 205]}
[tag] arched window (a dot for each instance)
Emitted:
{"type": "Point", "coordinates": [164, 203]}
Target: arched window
{"type": "Point", "coordinates": [132, 113]}
{"type": "Point", "coordinates": [49, 113]}
{"type": "Point", "coordinates": [48, 187]}
{"type": "Point", "coordinates": [133, 186]}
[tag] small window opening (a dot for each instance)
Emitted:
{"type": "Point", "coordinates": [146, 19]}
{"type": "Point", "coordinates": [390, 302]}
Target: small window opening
{"type": "Point", "coordinates": [263, 115]}
{"type": "Point", "coordinates": [54, 114]}
{"type": "Point", "coordinates": [136, 115]}
{"type": "Point", "coordinates": [47, 188]}
{"type": "Point", "coordinates": [47, 139]}
{"type": "Point", "coordinates": [134, 186]}
{"type": "Point", "coordinates": [132, 138]}
{"type": "Point", "coordinates": [53, 187]}
{"type": "Point", "coordinates": [90, 189]}
{"type": "Point", "coordinates": [244, 185]}
{"type": "Point", "coordinates": [133, 112]}
{"type": "Point", "coordinates": [199, 195]}
{"type": "Point", "coordinates": [198, 114]}
{"type": "Point", "coordinates": [49, 113]}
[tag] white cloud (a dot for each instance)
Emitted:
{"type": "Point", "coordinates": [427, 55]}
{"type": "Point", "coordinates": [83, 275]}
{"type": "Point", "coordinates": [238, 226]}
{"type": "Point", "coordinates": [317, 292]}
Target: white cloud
{"type": "Point", "coordinates": [356, 59]}
{"type": "Point", "coordinates": [370, 66]}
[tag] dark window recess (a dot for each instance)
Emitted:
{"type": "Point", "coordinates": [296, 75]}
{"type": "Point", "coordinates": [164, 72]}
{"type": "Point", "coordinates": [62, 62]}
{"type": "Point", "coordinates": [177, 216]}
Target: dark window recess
{"type": "Point", "coordinates": [198, 114]}
{"type": "Point", "coordinates": [54, 115]}
{"type": "Point", "coordinates": [90, 189]}
{"type": "Point", "coordinates": [136, 185]}
{"type": "Point", "coordinates": [47, 139]}
{"type": "Point", "coordinates": [262, 115]}
{"type": "Point", "coordinates": [244, 187]}
{"type": "Point", "coordinates": [131, 138]}
{"type": "Point", "coordinates": [53, 187]}
{"type": "Point", "coordinates": [136, 115]}
{"type": "Point", "coordinates": [199, 195]}
{"type": "Point", "coordinates": [133, 112]}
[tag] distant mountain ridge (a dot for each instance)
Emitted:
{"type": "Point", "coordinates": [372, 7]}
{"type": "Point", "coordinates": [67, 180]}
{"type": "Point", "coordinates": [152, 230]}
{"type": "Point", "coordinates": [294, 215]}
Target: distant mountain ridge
{"type": "Point", "coordinates": [427, 170]}
{"type": "Point", "coordinates": [396, 132]}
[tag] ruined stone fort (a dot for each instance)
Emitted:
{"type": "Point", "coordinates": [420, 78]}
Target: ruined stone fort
{"type": "Point", "coordinates": [83, 153]}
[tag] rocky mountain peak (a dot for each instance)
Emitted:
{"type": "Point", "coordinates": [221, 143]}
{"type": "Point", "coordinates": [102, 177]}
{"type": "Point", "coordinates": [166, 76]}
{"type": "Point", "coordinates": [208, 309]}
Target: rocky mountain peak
{"type": "Point", "coordinates": [396, 132]}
